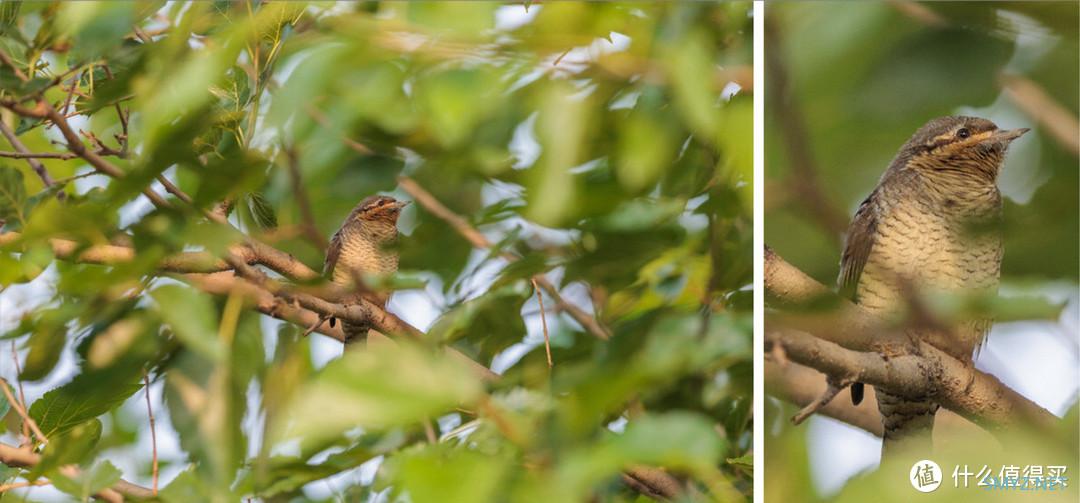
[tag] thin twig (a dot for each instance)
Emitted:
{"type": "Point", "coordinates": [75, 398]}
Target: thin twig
{"type": "Point", "coordinates": [832, 387]}
{"type": "Point", "coordinates": [38, 155]}
{"type": "Point", "coordinates": [311, 230]}
{"type": "Point", "coordinates": [44, 109]}
{"type": "Point", "coordinates": [26, 483]}
{"type": "Point", "coordinates": [153, 434]}
{"type": "Point", "coordinates": [543, 321]}
{"type": "Point", "coordinates": [122, 137]}
{"type": "Point", "coordinates": [19, 409]}
{"type": "Point", "coordinates": [315, 326]}
{"type": "Point", "coordinates": [323, 121]}
{"type": "Point", "coordinates": [462, 226]}
{"type": "Point", "coordinates": [22, 396]}
{"type": "Point", "coordinates": [24, 153]}
{"type": "Point", "coordinates": [429, 431]}
{"type": "Point", "coordinates": [71, 92]}
{"type": "Point", "coordinates": [804, 170]}
{"type": "Point", "coordinates": [1040, 106]}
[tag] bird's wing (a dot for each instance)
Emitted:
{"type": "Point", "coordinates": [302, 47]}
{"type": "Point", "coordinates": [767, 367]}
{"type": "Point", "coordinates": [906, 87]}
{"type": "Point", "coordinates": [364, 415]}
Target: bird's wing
{"type": "Point", "coordinates": [333, 251]}
{"type": "Point", "coordinates": [857, 245]}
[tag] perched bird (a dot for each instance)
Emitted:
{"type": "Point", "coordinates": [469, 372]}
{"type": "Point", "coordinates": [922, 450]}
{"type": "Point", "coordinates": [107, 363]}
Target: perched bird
{"type": "Point", "coordinates": [930, 225]}
{"type": "Point", "coordinates": [363, 246]}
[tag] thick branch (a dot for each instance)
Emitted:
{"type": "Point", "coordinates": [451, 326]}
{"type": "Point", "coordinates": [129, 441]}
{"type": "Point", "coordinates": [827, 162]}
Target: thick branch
{"type": "Point", "coordinates": [119, 254]}
{"type": "Point", "coordinates": [838, 350]}
{"type": "Point", "coordinates": [800, 385]}
{"type": "Point", "coordinates": [25, 458]}
{"type": "Point", "coordinates": [267, 303]}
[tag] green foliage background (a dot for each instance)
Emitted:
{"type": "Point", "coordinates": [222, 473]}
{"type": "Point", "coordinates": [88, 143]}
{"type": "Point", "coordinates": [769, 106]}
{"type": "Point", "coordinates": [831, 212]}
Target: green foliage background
{"type": "Point", "coordinates": [865, 76]}
{"type": "Point", "coordinates": [641, 190]}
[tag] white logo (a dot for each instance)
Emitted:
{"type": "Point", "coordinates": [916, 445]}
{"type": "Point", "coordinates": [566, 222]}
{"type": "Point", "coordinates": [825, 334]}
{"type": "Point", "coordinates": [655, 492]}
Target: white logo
{"type": "Point", "coordinates": [925, 476]}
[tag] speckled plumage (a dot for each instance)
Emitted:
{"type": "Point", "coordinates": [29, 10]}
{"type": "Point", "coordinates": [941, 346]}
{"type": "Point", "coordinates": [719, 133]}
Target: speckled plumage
{"type": "Point", "coordinates": [929, 224]}
{"type": "Point", "coordinates": [363, 246]}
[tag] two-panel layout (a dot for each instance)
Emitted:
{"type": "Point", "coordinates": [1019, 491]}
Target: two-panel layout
{"type": "Point", "coordinates": [539, 251]}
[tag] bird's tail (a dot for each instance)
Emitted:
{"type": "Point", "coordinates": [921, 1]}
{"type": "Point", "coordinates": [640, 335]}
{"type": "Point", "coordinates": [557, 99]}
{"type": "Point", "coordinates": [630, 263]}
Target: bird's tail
{"type": "Point", "coordinates": [908, 424]}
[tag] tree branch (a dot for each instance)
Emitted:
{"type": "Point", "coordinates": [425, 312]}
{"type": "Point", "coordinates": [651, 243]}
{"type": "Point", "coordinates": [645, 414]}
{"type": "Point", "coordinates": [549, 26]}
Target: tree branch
{"type": "Point", "coordinates": [1041, 107]}
{"type": "Point", "coordinates": [792, 127]}
{"type": "Point", "coordinates": [801, 385]}
{"type": "Point", "coordinates": [24, 153]}
{"type": "Point", "coordinates": [843, 349]}
{"type": "Point", "coordinates": [25, 458]}
{"type": "Point", "coordinates": [473, 236]}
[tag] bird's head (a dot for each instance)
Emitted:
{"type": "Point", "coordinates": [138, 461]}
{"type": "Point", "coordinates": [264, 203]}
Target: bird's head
{"type": "Point", "coordinates": [383, 209]}
{"type": "Point", "coordinates": [968, 147]}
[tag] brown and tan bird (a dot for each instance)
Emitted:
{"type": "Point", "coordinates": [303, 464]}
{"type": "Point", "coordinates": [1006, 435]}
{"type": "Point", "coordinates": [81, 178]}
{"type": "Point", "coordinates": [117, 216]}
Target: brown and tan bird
{"type": "Point", "coordinates": [364, 246]}
{"type": "Point", "coordinates": [930, 225]}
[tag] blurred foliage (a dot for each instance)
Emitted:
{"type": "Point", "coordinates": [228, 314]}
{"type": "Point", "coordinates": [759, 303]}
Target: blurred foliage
{"type": "Point", "coordinates": [608, 143]}
{"type": "Point", "coordinates": [865, 76]}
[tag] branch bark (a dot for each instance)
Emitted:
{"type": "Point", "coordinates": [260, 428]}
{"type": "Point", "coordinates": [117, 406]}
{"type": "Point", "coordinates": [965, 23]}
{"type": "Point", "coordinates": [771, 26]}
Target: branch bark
{"type": "Point", "coordinates": [846, 349]}
{"type": "Point", "coordinates": [25, 458]}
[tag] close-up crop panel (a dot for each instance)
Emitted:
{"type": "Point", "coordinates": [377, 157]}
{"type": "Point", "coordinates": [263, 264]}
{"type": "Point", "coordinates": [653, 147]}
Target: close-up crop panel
{"type": "Point", "coordinates": [376, 251]}
{"type": "Point", "coordinates": [921, 251]}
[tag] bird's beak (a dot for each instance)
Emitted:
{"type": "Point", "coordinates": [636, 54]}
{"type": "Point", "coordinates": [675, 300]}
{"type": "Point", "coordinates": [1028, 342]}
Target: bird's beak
{"type": "Point", "coordinates": [1008, 135]}
{"type": "Point", "coordinates": [402, 204]}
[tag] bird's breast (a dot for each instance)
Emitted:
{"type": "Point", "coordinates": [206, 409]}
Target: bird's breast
{"type": "Point", "coordinates": [365, 254]}
{"type": "Point", "coordinates": [928, 248]}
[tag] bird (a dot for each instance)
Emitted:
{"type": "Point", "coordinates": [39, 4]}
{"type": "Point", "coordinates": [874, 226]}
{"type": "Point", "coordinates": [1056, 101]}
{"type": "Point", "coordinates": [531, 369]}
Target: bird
{"type": "Point", "coordinates": [932, 224]}
{"type": "Point", "coordinates": [364, 246]}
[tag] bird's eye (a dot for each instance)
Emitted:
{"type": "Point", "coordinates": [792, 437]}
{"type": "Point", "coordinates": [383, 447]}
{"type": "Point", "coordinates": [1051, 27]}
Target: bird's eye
{"type": "Point", "coordinates": [963, 133]}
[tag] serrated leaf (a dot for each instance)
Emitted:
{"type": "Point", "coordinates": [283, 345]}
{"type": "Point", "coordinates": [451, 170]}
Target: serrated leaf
{"type": "Point", "coordinates": [83, 398]}
{"type": "Point", "coordinates": [12, 196]}
{"type": "Point", "coordinates": [262, 212]}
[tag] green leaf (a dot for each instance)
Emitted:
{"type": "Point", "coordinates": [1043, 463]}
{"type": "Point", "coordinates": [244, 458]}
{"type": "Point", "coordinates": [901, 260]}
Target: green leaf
{"type": "Point", "coordinates": [289, 474]}
{"type": "Point", "coordinates": [85, 397]}
{"type": "Point", "coordinates": [186, 487]}
{"type": "Point", "coordinates": [45, 344]}
{"type": "Point", "coordinates": [12, 196]}
{"type": "Point", "coordinates": [463, 19]}
{"type": "Point", "coordinates": [5, 406]}
{"type": "Point", "coordinates": [192, 317]}
{"type": "Point", "coordinates": [747, 460]}
{"type": "Point", "coordinates": [690, 65]}
{"type": "Point", "coordinates": [206, 405]}
{"type": "Point", "coordinates": [647, 147]}
{"type": "Point", "coordinates": [89, 482]}
{"type": "Point", "coordinates": [491, 321]}
{"type": "Point", "coordinates": [355, 390]}
{"type": "Point", "coordinates": [442, 472]}
{"type": "Point", "coordinates": [262, 212]}
{"type": "Point", "coordinates": [72, 447]}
